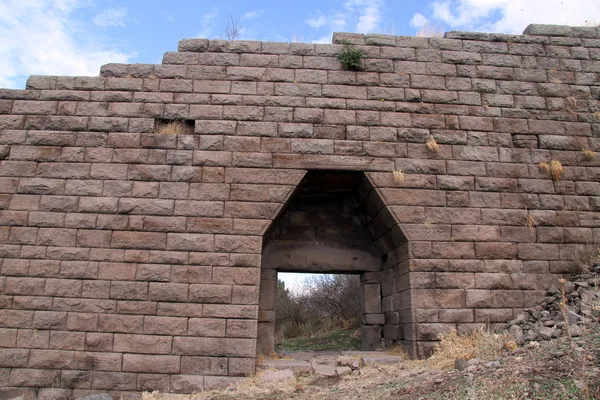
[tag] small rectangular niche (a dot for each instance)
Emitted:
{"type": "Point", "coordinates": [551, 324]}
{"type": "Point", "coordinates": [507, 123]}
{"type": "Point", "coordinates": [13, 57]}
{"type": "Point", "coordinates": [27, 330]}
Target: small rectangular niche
{"type": "Point", "coordinates": [174, 127]}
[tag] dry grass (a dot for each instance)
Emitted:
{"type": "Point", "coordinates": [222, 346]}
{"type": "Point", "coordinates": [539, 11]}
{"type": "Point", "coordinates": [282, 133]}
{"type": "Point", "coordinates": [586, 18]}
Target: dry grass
{"type": "Point", "coordinates": [399, 176]}
{"type": "Point", "coordinates": [571, 103]}
{"type": "Point", "coordinates": [597, 115]}
{"type": "Point", "coordinates": [582, 373]}
{"type": "Point", "coordinates": [432, 145]}
{"type": "Point", "coordinates": [252, 387]}
{"type": "Point", "coordinates": [586, 255]}
{"type": "Point", "coordinates": [398, 350]}
{"type": "Point", "coordinates": [554, 168]}
{"type": "Point", "coordinates": [431, 30]}
{"type": "Point", "coordinates": [589, 154]}
{"type": "Point", "coordinates": [173, 128]}
{"type": "Point", "coordinates": [544, 167]}
{"type": "Point", "coordinates": [480, 344]}
{"type": "Point", "coordinates": [550, 370]}
{"type": "Point", "coordinates": [530, 222]}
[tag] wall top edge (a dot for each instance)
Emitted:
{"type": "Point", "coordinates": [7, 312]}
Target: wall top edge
{"type": "Point", "coordinates": [534, 33]}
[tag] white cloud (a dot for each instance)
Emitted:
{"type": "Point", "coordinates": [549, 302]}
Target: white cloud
{"type": "Point", "coordinates": [253, 14]}
{"type": "Point", "coordinates": [207, 21]}
{"type": "Point", "coordinates": [369, 14]}
{"type": "Point", "coordinates": [42, 37]}
{"type": "Point", "coordinates": [513, 16]}
{"type": "Point", "coordinates": [317, 22]}
{"type": "Point", "coordinates": [366, 14]}
{"type": "Point", "coordinates": [418, 20]}
{"type": "Point", "coordinates": [334, 22]}
{"type": "Point", "coordinates": [324, 39]}
{"type": "Point", "coordinates": [111, 17]}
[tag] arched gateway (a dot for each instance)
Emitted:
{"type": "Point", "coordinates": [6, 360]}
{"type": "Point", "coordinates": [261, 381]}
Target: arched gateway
{"type": "Point", "coordinates": [145, 212]}
{"type": "Point", "coordinates": [336, 222]}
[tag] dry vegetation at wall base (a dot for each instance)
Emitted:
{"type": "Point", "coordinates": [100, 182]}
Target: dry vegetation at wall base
{"type": "Point", "coordinates": [550, 370]}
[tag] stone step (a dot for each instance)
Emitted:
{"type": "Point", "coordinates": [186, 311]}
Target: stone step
{"type": "Point", "coordinates": [381, 359]}
{"type": "Point", "coordinates": [307, 362]}
{"type": "Point", "coordinates": [298, 366]}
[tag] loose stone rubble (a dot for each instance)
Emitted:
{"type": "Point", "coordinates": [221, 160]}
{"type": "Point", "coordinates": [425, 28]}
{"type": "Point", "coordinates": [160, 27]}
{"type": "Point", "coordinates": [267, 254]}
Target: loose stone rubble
{"type": "Point", "coordinates": [323, 364]}
{"type": "Point", "coordinates": [547, 321]}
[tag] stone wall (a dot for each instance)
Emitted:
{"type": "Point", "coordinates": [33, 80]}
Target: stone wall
{"type": "Point", "coordinates": [131, 260]}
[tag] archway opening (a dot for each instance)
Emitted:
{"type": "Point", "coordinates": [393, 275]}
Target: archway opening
{"type": "Point", "coordinates": [317, 312]}
{"type": "Point", "coordinates": [336, 223]}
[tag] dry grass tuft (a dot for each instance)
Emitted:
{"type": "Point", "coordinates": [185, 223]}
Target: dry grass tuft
{"type": "Point", "coordinates": [597, 115]}
{"type": "Point", "coordinates": [571, 103]}
{"type": "Point", "coordinates": [399, 176]}
{"type": "Point", "coordinates": [530, 221]}
{"type": "Point", "coordinates": [431, 30]}
{"type": "Point", "coordinates": [173, 128]}
{"type": "Point", "coordinates": [586, 255]}
{"type": "Point", "coordinates": [589, 154]}
{"type": "Point", "coordinates": [480, 344]}
{"type": "Point", "coordinates": [398, 350]}
{"type": "Point", "coordinates": [544, 167]}
{"type": "Point", "coordinates": [432, 145]}
{"type": "Point", "coordinates": [554, 168]}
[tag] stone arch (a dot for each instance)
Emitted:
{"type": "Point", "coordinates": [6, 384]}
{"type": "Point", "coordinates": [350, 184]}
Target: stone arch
{"type": "Point", "coordinates": [337, 222]}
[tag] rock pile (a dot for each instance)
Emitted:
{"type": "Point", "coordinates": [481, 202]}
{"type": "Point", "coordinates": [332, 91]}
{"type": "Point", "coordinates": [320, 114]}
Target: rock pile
{"type": "Point", "coordinates": [547, 321]}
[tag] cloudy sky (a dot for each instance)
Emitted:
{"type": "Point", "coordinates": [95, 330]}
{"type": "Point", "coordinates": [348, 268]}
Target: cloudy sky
{"type": "Point", "coordinates": [75, 37]}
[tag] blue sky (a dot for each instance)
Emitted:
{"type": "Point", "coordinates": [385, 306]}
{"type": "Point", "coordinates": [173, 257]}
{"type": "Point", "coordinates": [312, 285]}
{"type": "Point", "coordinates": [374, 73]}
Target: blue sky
{"type": "Point", "coordinates": [75, 37]}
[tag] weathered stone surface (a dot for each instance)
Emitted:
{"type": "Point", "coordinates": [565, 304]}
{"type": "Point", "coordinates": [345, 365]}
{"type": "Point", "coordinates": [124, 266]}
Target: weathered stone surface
{"type": "Point", "coordinates": [324, 371]}
{"type": "Point", "coordinates": [100, 396]}
{"type": "Point", "coordinates": [277, 376]}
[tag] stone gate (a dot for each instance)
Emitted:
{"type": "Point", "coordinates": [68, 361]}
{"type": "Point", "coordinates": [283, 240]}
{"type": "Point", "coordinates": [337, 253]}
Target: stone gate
{"type": "Point", "coordinates": [138, 260]}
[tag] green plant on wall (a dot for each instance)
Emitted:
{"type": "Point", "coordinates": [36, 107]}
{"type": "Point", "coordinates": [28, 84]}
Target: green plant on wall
{"type": "Point", "coordinates": [350, 56]}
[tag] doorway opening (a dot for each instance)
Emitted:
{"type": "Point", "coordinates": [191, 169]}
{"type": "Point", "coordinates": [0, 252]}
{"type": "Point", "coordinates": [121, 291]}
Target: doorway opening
{"type": "Point", "coordinates": [316, 312]}
{"type": "Point", "coordinates": [336, 223]}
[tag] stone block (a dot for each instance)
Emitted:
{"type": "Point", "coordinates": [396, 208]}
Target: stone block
{"type": "Point", "coordinates": [139, 240]}
{"type": "Point", "coordinates": [151, 363]}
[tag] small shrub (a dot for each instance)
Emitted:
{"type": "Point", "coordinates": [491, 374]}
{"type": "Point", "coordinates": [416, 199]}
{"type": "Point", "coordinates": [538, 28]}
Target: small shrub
{"type": "Point", "coordinates": [554, 168]}
{"type": "Point", "coordinates": [432, 145]}
{"type": "Point", "coordinates": [350, 57]}
{"type": "Point", "coordinates": [399, 176]}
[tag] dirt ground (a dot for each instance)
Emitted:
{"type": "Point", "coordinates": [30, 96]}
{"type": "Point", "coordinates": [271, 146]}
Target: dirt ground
{"type": "Point", "coordinates": [559, 369]}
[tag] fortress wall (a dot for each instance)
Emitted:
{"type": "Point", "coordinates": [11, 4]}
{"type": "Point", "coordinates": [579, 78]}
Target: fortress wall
{"type": "Point", "coordinates": [131, 260]}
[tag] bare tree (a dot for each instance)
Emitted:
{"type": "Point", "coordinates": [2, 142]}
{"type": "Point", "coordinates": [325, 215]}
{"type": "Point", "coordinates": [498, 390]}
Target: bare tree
{"type": "Point", "coordinates": [233, 28]}
{"type": "Point", "coordinates": [330, 302]}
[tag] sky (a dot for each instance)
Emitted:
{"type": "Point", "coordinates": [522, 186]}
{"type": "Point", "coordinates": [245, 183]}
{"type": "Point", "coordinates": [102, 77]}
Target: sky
{"type": "Point", "coordinates": [76, 37]}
